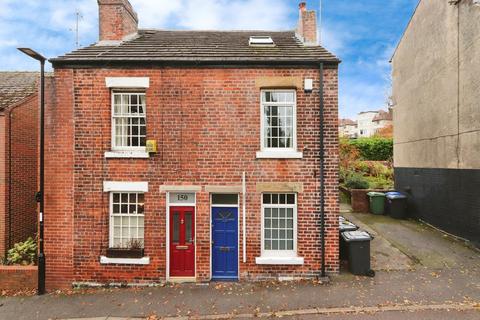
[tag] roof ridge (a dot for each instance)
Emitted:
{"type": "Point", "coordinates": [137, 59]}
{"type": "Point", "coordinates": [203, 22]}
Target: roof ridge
{"type": "Point", "coordinates": [213, 30]}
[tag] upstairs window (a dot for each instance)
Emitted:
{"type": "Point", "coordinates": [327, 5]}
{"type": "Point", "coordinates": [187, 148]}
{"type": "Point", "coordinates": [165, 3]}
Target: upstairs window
{"type": "Point", "coordinates": [278, 120]}
{"type": "Point", "coordinates": [128, 121]}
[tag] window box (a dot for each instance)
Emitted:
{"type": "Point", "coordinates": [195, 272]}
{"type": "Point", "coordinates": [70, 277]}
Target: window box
{"type": "Point", "coordinates": [125, 253]}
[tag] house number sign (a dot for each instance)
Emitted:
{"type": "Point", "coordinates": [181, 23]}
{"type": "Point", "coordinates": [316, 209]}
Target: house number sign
{"type": "Point", "coordinates": [182, 197]}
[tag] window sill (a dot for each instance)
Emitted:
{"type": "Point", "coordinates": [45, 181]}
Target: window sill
{"type": "Point", "coordinates": [107, 260]}
{"type": "Point", "coordinates": [279, 154]}
{"type": "Point", "coordinates": [279, 260]}
{"type": "Point", "coordinates": [127, 154]}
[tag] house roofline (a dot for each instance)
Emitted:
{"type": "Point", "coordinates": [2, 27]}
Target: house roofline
{"type": "Point", "coordinates": [76, 64]}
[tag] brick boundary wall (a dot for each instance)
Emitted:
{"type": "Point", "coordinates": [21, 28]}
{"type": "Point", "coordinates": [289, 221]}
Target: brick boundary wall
{"type": "Point", "coordinates": [16, 278]}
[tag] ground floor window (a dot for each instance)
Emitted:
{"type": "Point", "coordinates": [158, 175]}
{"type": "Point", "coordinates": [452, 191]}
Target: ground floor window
{"type": "Point", "coordinates": [279, 218]}
{"type": "Point", "coordinates": [126, 220]}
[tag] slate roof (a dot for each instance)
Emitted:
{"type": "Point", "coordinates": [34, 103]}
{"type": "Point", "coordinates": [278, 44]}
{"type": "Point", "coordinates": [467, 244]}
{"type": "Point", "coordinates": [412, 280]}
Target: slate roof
{"type": "Point", "coordinates": [16, 86]}
{"type": "Point", "coordinates": [163, 46]}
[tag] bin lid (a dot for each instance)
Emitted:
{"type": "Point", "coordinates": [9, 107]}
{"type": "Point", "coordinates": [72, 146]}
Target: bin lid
{"type": "Point", "coordinates": [393, 193]}
{"type": "Point", "coordinates": [375, 194]}
{"type": "Point", "coordinates": [347, 226]}
{"type": "Point", "coordinates": [396, 195]}
{"type": "Point", "coordinates": [358, 235]}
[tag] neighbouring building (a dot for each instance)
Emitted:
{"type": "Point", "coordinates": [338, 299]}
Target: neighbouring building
{"type": "Point", "coordinates": [347, 128]}
{"type": "Point", "coordinates": [18, 157]}
{"type": "Point", "coordinates": [367, 124]}
{"type": "Point", "coordinates": [436, 93]}
{"type": "Point", "coordinates": [383, 119]}
{"type": "Point", "coordinates": [190, 155]}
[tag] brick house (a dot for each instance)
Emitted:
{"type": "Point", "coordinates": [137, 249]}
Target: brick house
{"type": "Point", "coordinates": [231, 190]}
{"type": "Point", "coordinates": [18, 157]}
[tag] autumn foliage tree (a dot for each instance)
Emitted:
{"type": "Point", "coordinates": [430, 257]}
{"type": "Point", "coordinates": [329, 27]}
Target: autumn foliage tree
{"type": "Point", "coordinates": [385, 132]}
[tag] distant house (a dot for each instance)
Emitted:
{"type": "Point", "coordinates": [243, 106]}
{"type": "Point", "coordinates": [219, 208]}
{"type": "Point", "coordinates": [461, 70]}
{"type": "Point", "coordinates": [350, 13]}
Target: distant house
{"type": "Point", "coordinates": [368, 123]}
{"type": "Point", "coordinates": [231, 190]}
{"type": "Point", "coordinates": [18, 157]}
{"type": "Point", "coordinates": [347, 128]}
{"type": "Point", "coordinates": [436, 93]}
{"type": "Point", "coordinates": [383, 119]}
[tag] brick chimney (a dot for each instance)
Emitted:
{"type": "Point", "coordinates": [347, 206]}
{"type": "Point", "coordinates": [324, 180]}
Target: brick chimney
{"type": "Point", "coordinates": [307, 25]}
{"type": "Point", "coordinates": [117, 20]}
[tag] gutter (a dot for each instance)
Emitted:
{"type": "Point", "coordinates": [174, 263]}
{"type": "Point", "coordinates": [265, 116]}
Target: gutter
{"type": "Point", "coordinates": [322, 172]}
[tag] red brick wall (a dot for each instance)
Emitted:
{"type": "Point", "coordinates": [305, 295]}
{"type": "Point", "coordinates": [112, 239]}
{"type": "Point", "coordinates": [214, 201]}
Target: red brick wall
{"type": "Point", "coordinates": [3, 188]}
{"type": "Point", "coordinates": [207, 124]}
{"type": "Point", "coordinates": [18, 278]}
{"type": "Point", "coordinates": [23, 136]}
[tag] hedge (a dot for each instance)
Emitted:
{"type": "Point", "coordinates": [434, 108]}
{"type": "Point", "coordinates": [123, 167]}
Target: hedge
{"type": "Point", "coordinates": [374, 149]}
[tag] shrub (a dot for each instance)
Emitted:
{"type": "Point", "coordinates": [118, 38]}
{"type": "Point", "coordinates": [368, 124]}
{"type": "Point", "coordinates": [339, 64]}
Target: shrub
{"type": "Point", "coordinates": [374, 149]}
{"type": "Point", "coordinates": [23, 253]}
{"type": "Point", "coordinates": [356, 181]}
{"type": "Point", "coordinates": [348, 153]}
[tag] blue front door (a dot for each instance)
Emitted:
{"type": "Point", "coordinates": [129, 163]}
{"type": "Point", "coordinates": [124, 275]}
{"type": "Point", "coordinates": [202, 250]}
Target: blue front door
{"type": "Point", "coordinates": [225, 243]}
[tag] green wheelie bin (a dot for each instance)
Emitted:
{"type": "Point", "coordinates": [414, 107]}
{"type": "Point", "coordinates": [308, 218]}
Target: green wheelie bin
{"type": "Point", "coordinates": [377, 202]}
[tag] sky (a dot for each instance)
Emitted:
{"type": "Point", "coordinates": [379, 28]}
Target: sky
{"type": "Point", "coordinates": [363, 34]}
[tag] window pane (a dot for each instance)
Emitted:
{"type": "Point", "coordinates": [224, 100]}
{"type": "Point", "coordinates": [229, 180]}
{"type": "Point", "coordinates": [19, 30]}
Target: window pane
{"type": "Point", "coordinates": [266, 198]}
{"type": "Point", "coordinates": [176, 227]}
{"type": "Point", "coordinates": [188, 227]}
{"type": "Point", "coordinates": [290, 198]}
{"type": "Point", "coordinates": [224, 199]}
{"type": "Point", "coordinates": [289, 244]}
{"type": "Point", "coordinates": [268, 244]}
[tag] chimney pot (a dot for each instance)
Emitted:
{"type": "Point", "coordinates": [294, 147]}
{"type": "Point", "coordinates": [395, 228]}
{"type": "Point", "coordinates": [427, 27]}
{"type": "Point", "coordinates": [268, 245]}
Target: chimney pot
{"type": "Point", "coordinates": [303, 6]}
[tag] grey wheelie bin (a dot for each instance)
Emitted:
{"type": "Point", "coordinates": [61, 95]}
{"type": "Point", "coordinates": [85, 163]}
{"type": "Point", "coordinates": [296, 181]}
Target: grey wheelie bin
{"type": "Point", "coordinates": [358, 243]}
{"type": "Point", "coordinates": [345, 226]}
{"type": "Point", "coordinates": [397, 205]}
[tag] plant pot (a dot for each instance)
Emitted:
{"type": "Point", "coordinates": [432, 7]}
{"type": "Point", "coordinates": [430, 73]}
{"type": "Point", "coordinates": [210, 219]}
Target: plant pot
{"type": "Point", "coordinates": [125, 253]}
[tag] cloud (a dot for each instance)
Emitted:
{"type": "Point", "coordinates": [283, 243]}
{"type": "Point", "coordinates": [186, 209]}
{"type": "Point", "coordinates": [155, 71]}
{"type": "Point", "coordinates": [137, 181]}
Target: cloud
{"type": "Point", "coordinates": [361, 33]}
{"type": "Point", "coordinates": [213, 14]}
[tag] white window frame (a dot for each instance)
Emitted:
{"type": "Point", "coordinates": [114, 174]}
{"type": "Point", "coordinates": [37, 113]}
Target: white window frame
{"type": "Point", "coordinates": [111, 216]}
{"type": "Point", "coordinates": [266, 152]}
{"type": "Point", "coordinates": [279, 253]}
{"type": "Point", "coordinates": [130, 151]}
{"type": "Point", "coordinates": [121, 187]}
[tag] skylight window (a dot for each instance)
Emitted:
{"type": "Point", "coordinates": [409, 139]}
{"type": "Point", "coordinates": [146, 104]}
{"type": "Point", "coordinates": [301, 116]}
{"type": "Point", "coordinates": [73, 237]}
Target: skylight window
{"type": "Point", "coordinates": [261, 41]}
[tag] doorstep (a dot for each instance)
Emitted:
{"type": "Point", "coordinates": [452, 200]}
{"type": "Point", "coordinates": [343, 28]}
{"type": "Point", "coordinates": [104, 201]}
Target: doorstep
{"type": "Point", "coordinates": [182, 279]}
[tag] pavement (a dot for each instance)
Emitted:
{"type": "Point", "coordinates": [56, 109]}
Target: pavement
{"type": "Point", "coordinates": [420, 274]}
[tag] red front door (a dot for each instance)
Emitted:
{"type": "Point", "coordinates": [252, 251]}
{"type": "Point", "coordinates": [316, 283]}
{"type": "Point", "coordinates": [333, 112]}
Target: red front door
{"type": "Point", "coordinates": [182, 242]}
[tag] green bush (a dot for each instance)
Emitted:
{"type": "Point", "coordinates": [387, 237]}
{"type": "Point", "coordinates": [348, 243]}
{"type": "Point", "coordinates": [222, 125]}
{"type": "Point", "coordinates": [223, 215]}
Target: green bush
{"type": "Point", "coordinates": [374, 149]}
{"type": "Point", "coordinates": [23, 253]}
{"type": "Point", "coordinates": [379, 183]}
{"type": "Point", "coordinates": [356, 181]}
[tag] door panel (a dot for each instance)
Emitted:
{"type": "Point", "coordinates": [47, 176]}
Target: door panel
{"type": "Point", "coordinates": [182, 242]}
{"type": "Point", "coordinates": [225, 243]}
